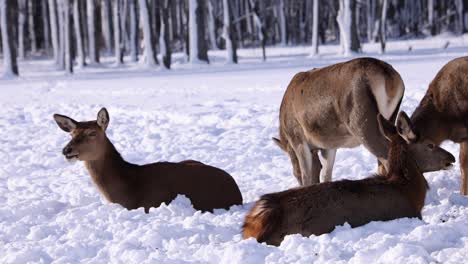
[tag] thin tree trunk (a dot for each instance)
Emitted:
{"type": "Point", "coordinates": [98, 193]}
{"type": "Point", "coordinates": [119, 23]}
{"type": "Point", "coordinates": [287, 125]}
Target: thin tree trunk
{"type": "Point", "coordinates": [165, 47]}
{"type": "Point", "coordinates": [150, 53]}
{"type": "Point", "coordinates": [45, 26]}
{"type": "Point", "coordinates": [67, 33]}
{"type": "Point", "coordinates": [54, 30]}
{"type": "Point", "coordinates": [61, 32]}
{"type": "Point", "coordinates": [8, 15]}
{"type": "Point", "coordinates": [107, 31]}
{"type": "Point", "coordinates": [260, 27]}
{"type": "Point", "coordinates": [31, 29]}
{"type": "Point", "coordinates": [211, 26]}
{"type": "Point", "coordinates": [77, 18]}
{"type": "Point", "coordinates": [315, 22]}
{"type": "Point", "coordinates": [282, 22]}
{"type": "Point", "coordinates": [231, 52]}
{"type": "Point", "coordinates": [133, 31]}
{"type": "Point", "coordinates": [93, 48]}
{"type": "Point", "coordinates": [117, 32]}
{"type": "Point", "coordinates": [382, 28]}
{"type": "Point", "coordinates": [21, 24]}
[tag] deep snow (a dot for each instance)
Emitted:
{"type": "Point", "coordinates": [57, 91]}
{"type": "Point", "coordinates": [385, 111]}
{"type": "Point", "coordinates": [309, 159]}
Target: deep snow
{"type": "Point", "coordinates": [223, 115]}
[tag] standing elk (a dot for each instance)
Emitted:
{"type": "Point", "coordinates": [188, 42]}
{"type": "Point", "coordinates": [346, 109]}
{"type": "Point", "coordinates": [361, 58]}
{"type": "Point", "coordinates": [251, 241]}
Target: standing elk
{"type": "Point", "coordinates": [318, 208]}
{"type": "Point", "coordinates": [443, 112]}
{"type": "Point", "coordinates": [134, 186]}
{"type": "Point", "coordinates": [335, 107]}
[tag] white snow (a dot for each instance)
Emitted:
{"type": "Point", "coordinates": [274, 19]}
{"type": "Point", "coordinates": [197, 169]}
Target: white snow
{"type": "Point", "coordinates": [223, 115]}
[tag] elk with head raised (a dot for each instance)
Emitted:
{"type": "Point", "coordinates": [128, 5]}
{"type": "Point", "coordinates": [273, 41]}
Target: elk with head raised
{"type": "Point", "coordinates": [134, 186]}
{"type": "Point", "coordinates": [318, 208]}
{"type": "Point", "coordinates": [443, 112]}
{"type": "Point", "coordinates": [335, 107]}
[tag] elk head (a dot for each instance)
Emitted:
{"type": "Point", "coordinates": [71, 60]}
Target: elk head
{"type": "Point", "coordinates": [88, 138]}
{"type": "Point", "coordinates": [428, 157]}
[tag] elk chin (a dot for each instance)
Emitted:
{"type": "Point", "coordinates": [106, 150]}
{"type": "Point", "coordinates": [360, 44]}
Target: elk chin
{"type": "Point", "coordinates": [72, 158]}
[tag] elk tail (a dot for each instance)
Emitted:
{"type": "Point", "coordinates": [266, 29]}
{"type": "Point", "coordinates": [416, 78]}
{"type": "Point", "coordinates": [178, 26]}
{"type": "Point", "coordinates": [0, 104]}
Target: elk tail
{"type": "Point", "coordinates": [263, 219]}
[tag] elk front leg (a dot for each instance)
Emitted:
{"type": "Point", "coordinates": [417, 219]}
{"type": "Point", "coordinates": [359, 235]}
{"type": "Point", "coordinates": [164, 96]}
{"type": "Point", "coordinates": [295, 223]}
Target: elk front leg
{"type": "Point", "coordinates": [309, 163]}
{"type": "Point", "coordinates": [464, 167]}
{"type": "Point", "coordinates": [329, 159]}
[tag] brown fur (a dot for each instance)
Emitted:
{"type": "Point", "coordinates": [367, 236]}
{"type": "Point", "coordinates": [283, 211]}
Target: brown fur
{"type": "Point", "coordinates": [443, 112]}
{"type": "Point", "coordinates": [318, 208]}
{"type": "Point", "coordinates": [334, 107]}
{"type": "Point", "coordinates": [149, 185]}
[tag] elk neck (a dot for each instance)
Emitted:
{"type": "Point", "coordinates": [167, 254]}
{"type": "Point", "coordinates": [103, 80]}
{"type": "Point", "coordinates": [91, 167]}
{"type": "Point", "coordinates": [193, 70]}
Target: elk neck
{"type": "Point", "coordinates": [110, 172]}
{"type": "Point", "coordinates": [404, 171]}
{"type": "Point", "coordinates": [428, 122]}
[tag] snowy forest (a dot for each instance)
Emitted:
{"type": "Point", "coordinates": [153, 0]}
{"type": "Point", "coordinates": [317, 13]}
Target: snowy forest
{"type": "Point", "coordinates": [76, 33]}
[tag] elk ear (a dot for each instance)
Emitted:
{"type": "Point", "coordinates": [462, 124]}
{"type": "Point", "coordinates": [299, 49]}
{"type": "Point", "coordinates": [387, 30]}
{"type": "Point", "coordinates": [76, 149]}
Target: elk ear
{"type": "Point", "coordinates": [279, 143]}
{"type": "Point", "coordinates": [103, 118]}
{"type": "Point", "coordinates": [65, 123]}
{"type": "Point", "coordinates": [405, 128]}
{"type": "Point", "coordinates": [386, 128]}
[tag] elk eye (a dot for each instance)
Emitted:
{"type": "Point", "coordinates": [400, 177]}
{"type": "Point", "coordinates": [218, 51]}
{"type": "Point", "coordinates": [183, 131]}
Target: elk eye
{"type": "Point", "coordinates": [430, 145]}
{"type": "Point", "coordinates": [92, 134]}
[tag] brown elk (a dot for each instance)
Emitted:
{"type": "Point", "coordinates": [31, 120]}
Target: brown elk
{"type": "Point", "coordinates": [335, 107]}
{"type": "Point", "coordinates": [443, 112]}
{"type": "Point", "coordinates": [318, 208]}
{"type": "Point", "coordinates": [134, 186]}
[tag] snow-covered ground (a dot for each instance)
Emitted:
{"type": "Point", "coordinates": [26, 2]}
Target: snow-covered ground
{"type": "Point", "coordinates": [223, 115]}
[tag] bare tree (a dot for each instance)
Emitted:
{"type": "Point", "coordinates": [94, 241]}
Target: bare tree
{"type": "Point", "coordinates": [150, 53]}
{"type": "Point", "coordinates": [107, 22]}
{"type": "Point", "coordinates": [77, 22]}
{"type": "Point", "coordinates": [54, 30]}
{"type": "Point", "coordinates": [67, 34]}
{"type": "Point", "coordinates": [165, 47]}
{"type": "Point", "coordinates": [22, 5]}
{"type": "Point", "coordinates": [8, 15]}
{"type": "Point", "coordinates": [31, 28]}
{"type": "Point", "coordinates": [133, 30]}
{"type": "Point", "coordinates": [315, 28]}
{"type": "Point", "coordinates": [231, 50]}
{"type": "Point", "coordinates": [93, 31]}
{"type": "Point", "coordinates": [198, 50]}
{"type": "Point", "coordinates": [117, 32]}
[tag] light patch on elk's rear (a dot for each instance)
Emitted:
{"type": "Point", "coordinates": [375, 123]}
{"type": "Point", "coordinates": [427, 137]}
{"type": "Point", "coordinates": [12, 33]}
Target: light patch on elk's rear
{"type": "Point", "coordinates": [386, 103]}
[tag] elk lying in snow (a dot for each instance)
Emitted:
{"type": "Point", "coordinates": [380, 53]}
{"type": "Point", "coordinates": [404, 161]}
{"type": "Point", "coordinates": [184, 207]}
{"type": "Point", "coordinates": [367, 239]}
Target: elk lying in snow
{"type": "Point", "coordinates": [335, 107]}
{"type": "Point", "coordinates": [443, 112]}
{"type": "Point", "coordinates": [318, 208]}
{"type": "Point", "coordinates": [134, 186]}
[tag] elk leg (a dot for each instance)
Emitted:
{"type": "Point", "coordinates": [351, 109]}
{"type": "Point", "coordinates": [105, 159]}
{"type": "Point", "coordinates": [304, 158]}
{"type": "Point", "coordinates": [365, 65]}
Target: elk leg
{"type": "Point", "coordinates": [329, 159]}
{"type": "Point", "coordinates": [295, 166]}
{"type": "Point", "coordinates": [464, 167]}
{"type": "Point", "coordinates": [307, 159]}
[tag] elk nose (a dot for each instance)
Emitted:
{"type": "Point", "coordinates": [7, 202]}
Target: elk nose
{"type": "Point", "coordinates": [66, 150]}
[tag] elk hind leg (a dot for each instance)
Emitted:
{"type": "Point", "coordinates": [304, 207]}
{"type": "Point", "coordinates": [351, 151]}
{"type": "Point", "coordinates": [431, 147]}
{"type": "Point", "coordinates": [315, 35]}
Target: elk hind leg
{"type": "Point", "coordinates": [309, 163]}
{"type": "Point", "coordinates": [328, 160]}
{"type": "Point", "coordinates": [464, 167]}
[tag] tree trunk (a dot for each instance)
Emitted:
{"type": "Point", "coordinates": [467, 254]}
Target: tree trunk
{"type": "Point", "coordinates": [107, 32]}
{"type": "Point", "coordinates": [315, 28]}
{"type": "Point", "coordinates": [93, 32]}
{"type": "Point", "coordinates": [21, 24]}
{"type": "Point", "coordinates": [165, 47]}
{"type": "Point", "coordinates": [31, 28]}
{"type": "Point", "coordinates": [260, 27]}
{"type": "Point", "coordinates": [117, 32]}
{"type": "Point", "coordinates": [346, 19]}
{"type": "Point", "coordinates": [133, 31]}
{"type": "Point", "coordinates": [8, 15]}
{"type": "Point", "coordinates": [54, 30]}
{"type": "Point", "coordinates": [67, 35]}
{"type": "Point", "coordinates": [382, 27]}
{"type": "Point", "coordinates": [282, 22]}
{"type": "Point", "coordinates": [150, 53]}
{"type": "Point", "coordinates": [211, 26]}
{"type": "Point", "coordinates": [231, 51]}
{"type": "Point", "coordinates": [198, 49]}
{"type": "Point", "coordinates": [45, 26]}
{"type": "Point", "coordinates": [77, 21]}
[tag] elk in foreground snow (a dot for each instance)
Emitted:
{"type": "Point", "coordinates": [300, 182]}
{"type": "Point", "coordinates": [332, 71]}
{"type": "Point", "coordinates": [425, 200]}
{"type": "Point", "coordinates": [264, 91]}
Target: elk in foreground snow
{"type": "Point", "coordinates": [318, 208]}
{"type": "Point", "coordinates": [134, 186]}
